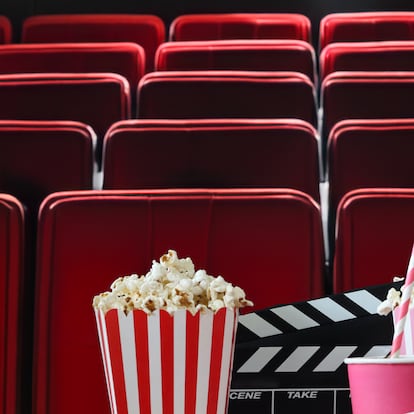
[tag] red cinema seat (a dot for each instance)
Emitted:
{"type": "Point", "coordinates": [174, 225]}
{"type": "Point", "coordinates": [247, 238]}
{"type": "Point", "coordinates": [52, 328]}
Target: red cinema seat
{"type": "Point", "coordinates": [96, 99]}
{"type": "Point", "coordinates": [267, 241]}
{"type": "Point", "coordinates": [41, 157]}
{"type": "Point", "coordinates": [212, 153]}
{"type": "Point", "coordinates": [370, 153]}
{"type": "Point", "coordinates": [268, 55]}
{"type": "Point", "coordinates": [367, 56]}
{"type": "Point", "coordinates": [375, 230]}
{"type": "Point", "coordinates": [5, 30]}
{"type": "Point", "coordinates": [366, 26]}
{"type": "Point", "coordinates": [12, 238]}
{"type": "Point", "coordinates": [365, 95]}
{"type": "Point", "coordinates": [126, 59]}
{"type": "Point", "coordinates": [226, 94]}
{"type": "Point", "coordinates": [146, 30]}
{"type": "Point", "coordinates": [240, 26]}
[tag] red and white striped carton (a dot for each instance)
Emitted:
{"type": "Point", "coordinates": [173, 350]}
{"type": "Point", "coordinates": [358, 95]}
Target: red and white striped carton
{"type": "Point", "coordinates": [407, 344]}
{"type": "Point", "coordinates": [163, 363]}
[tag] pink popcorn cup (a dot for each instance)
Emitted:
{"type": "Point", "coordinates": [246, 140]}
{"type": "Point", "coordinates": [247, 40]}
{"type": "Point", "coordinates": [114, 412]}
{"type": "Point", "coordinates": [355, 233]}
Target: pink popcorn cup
{"type": "Point", "coordinates": [381, 385]}
{"type": "Point", "coordinates": [167, 364]}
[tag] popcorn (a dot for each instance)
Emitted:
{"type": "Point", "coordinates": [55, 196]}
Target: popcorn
{"type": "Point", "coordinates": [392, 300]}
{"type": "Point", "coordinates": [388, 305]}
{"type": "Point", "coordinates": [171, 284]}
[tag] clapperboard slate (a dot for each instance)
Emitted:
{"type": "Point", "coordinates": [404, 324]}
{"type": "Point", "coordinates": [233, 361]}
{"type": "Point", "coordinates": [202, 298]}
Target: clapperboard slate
{"type": "Point", "coordinates": [289, 358]}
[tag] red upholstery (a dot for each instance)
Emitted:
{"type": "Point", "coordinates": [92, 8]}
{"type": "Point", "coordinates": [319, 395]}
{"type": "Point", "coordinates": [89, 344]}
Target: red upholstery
{"type": "Point", "coordinates": [97, 99]}
{"type": "Point", "coordinates": [375, 237]}
{"type": "Point", "coordinates": [367, 56]}
{"type": "Point", "coordinates": [366, 26]}
{"type": "Point", "coordinates": [5, 30]}
{"type": "Point", "coordinates": [226, 94]}
{"type": "Point", "coordinates": [267, 241]}
{"type": "Point", "coordinates": [240, 26]}
{"type": "Point", "coordinates": [11, 278]}
{"type": "Point", "coordinates": [144, 29]}
{"type": "Point", "coordinates": [365, 95]}
{"type": "Point", "coordinates": [126, 59]}
{"type": "Point", "coordinates": [41, 157]}
{"type": "Point", "coordinates": [268, 55]}
{"type": "Point", "coordinates": [370, 153]}
{"type": "Point", "coordinates": [212, 153]}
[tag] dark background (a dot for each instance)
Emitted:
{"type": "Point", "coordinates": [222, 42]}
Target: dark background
{"type": "Point", "coordinates": [17, 10]}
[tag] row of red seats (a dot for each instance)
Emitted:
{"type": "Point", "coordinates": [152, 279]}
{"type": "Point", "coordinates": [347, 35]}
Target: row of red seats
{"type": "Point", "coordinates": [129, 59]}
{"type": "Point", "coordinates": [40, 157]}
{"type": "Point", "coordinates": [335, 27]}
{"type": "Point", "coordinates": [136, 27]}
{"type": "Point", "coordinates": [132, 60]}
{"type": "Point", "coordinates": [86, 238]}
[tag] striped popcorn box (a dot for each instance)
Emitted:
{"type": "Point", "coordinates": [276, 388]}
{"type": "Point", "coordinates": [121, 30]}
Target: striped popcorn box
{"type": "Point", "coordinates": [162, 363]}
{"type": "Point", "coordinates": [407, 344]}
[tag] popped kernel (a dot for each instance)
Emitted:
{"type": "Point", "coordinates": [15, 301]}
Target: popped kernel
{"type": "Point", "coordinates": [392, 300]}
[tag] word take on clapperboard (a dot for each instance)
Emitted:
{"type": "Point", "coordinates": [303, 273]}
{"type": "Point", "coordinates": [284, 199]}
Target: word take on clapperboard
{"type": "Point", "coordinates": [290, 358]}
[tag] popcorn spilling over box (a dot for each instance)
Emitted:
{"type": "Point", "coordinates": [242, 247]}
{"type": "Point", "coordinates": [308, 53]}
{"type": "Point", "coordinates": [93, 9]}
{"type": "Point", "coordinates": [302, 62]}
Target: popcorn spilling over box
{"type": "Point", "coordinates": [167, 339]}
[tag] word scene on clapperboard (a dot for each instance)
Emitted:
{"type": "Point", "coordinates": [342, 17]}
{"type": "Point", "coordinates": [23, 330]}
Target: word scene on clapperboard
{"type": "Point", "coordinates": [290, 358]}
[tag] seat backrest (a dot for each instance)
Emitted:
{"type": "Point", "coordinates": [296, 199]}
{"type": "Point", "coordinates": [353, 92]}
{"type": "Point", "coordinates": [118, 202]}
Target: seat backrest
{"type": "Point", "coordinates": [269, 242]}
{"type": "Point", "coordinates": [367, 56]}
{"type": "Point", "coordinates": [212, 153]}
{"type": "Point", "coordinates": [5, 30]}
{"type": "Point", "coordinates": [144, 29]}
{"type": "Point", "coordinates": [126, 59]}
{"type": "Point", "coordinates": [96, 99]}
{"type": "Point", "coordinates": [366, 26]}
{"type": "Point", "coordinates": [266, 241]}
{"type": "Point", "coordinates": [41, 157]}
{"type": "Point", "coordinates": [375, 230]}
{"type": "Point", "coordinates": [365, 95]}
{"type": "Point", "coordinates": [11, 283]}
{"type": "Point", "coordinates": [226, 94]}
{"type": "Point", "coordinates": [240, 26]}
{"type": "Point", "coordinates": [251, 54]}
{"type": "Point", "coordinates": [369, 153]}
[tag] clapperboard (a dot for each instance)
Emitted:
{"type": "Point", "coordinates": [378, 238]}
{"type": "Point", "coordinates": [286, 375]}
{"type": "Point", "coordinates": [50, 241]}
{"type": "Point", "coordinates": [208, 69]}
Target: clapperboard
{"type": "Point", "coordinates": [289, 358]}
